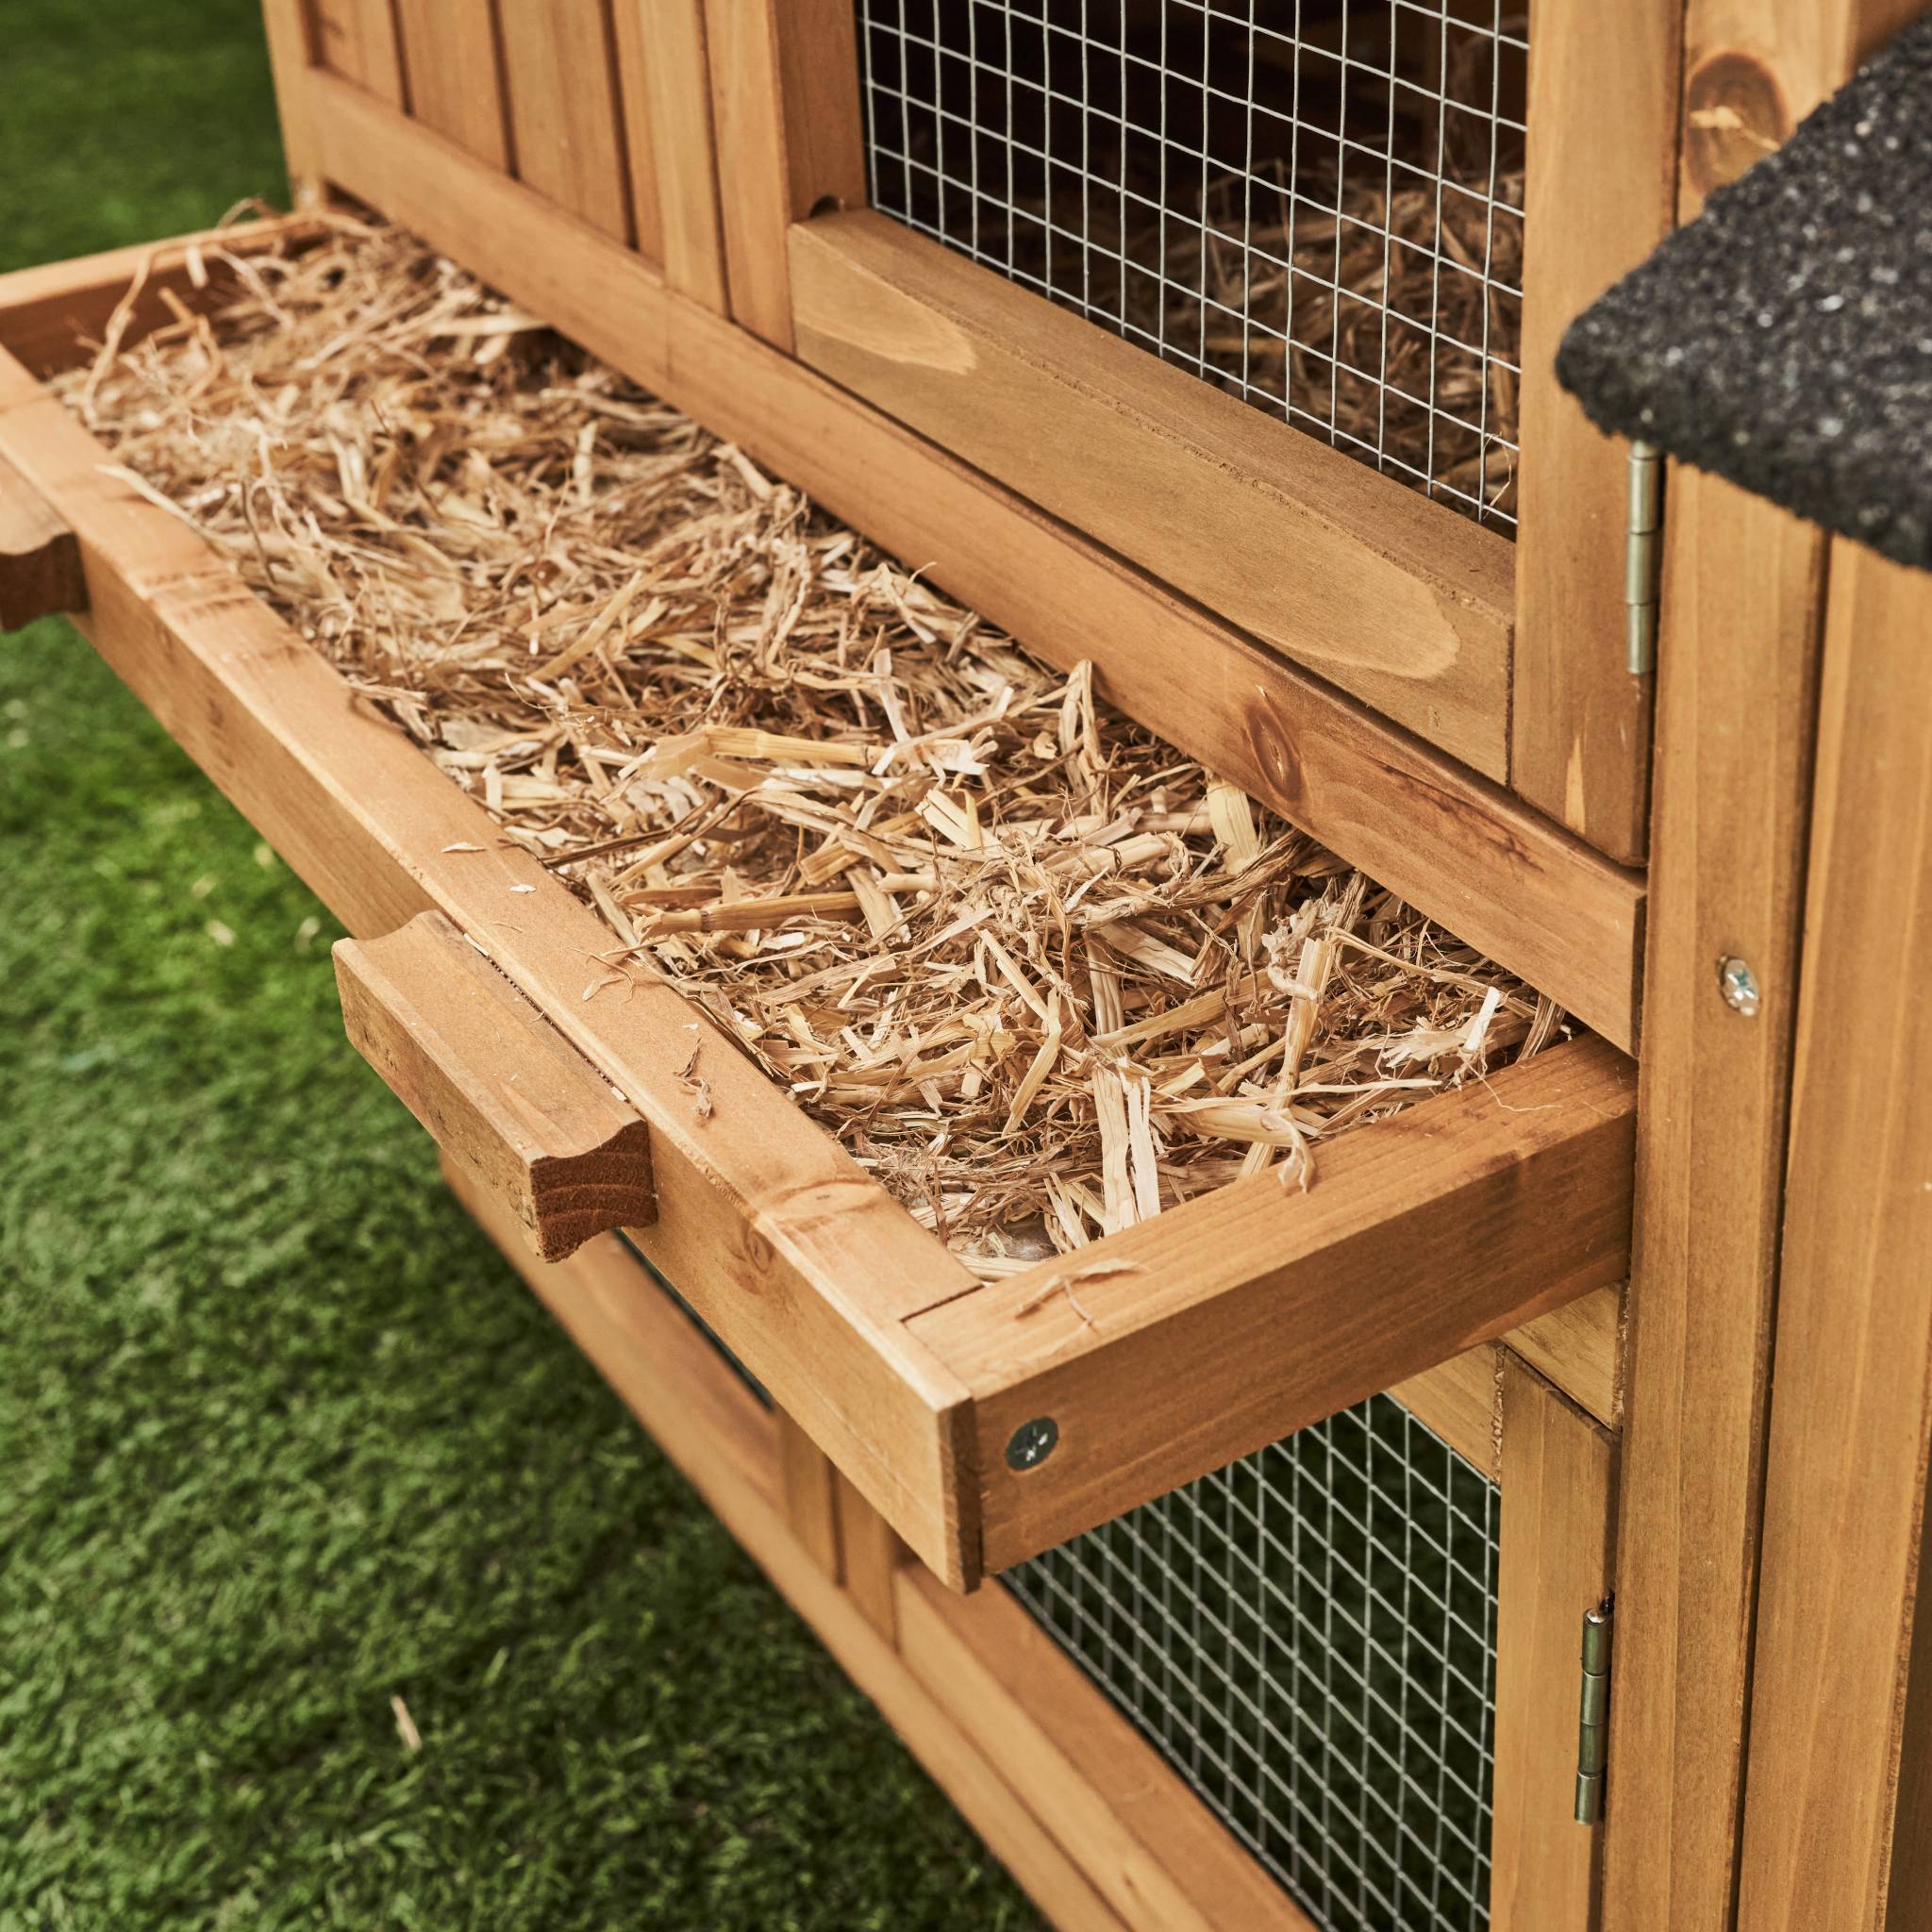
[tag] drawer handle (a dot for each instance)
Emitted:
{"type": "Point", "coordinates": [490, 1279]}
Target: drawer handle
{"type": "Point", "coordinates": [40, 557]}
{"type": "Point", "coordinates": [504, 1094]}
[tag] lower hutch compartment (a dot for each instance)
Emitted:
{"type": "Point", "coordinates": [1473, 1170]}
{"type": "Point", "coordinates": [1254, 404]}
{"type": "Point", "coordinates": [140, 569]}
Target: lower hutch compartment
{"type": "Point", "coordinates": [1329, 1688]}
{"type": "Point", "coordinates": [926, 1430]}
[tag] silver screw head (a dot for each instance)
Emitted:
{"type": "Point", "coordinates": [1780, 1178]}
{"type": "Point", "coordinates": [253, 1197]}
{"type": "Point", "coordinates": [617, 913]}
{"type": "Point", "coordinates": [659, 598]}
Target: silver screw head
{"type": "Point", "coordinates": [1738, 985]}
{"type": "Point", "coordinates": [1032, 1442]}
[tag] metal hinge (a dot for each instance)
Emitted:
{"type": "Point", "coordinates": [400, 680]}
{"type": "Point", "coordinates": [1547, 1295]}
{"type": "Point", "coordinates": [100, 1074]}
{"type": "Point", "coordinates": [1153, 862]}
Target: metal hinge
{"type": "Point", "coordinates": [1593, 1721]}
{"type": "Point", "coordinates": [1644, 555]}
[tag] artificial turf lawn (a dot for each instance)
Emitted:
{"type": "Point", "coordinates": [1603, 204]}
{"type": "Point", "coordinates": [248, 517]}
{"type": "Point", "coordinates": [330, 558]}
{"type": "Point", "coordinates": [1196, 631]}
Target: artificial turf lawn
{"type": "Point", "coordinates": [280, 1434]}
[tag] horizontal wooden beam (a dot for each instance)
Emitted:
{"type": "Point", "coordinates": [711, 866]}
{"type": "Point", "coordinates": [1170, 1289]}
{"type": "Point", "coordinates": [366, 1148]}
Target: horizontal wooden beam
{"type": "Point", "coordinates": [1397, 600]}
{"type": "Point", "coordinates": [500, 1091]}
{"type": "Point", "coordinates": [39, 560]}
{"type": "Point", "coordinates": [1461, 849]}
{"type": "Point", "coordinates": [1242, 1315]}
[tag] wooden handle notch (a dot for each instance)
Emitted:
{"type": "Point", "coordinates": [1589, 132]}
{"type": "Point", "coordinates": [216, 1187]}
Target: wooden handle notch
{"type": "Point", "coordinates": [40, 557]}
{"type": "Point", "coordinates": [504, 1094]}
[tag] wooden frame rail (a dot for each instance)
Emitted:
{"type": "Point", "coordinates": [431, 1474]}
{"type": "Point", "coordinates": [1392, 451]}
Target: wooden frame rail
{"type": "Point", "coordinates": [1394, 599]}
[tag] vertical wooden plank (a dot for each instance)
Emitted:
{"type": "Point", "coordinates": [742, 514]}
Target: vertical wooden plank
{"type": "Point", "coordinates": [1555, 1565]}
{"type": "Point", "coordinates": [453, 63]}
{"type": "Point", "coordinates": [805, 1482]}
{"type": "Point", "coordinates": [1737, 681]}
{"type": "Point", "coordinates": [559, 67]}
{"type": "Point", "coordinates": [1850, 1418]}
{"type": "Point", "coordinates": [870, 1553]}
{"type": "Point", "coordinates": [1735, 712]}
{"type": "Point", "coordinates": [291, 57]}
{"type": "Point", "coordinates": [790, 138]}
{"type": "Point", "coordinates": [1909, 1900]}
{"type": "Point", "coordinates": [357, 38]}
{"type": "Point", "coordinates": [667, 106]}
{"type": "Point", "coordinates": [1594, 209]}
{"type": "Point", "coordinates": [630, 41]}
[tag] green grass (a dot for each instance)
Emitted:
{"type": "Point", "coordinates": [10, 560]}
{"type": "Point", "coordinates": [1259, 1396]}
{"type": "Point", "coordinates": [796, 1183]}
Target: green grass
{"type": "Point", "coordinates": [280, 1436]}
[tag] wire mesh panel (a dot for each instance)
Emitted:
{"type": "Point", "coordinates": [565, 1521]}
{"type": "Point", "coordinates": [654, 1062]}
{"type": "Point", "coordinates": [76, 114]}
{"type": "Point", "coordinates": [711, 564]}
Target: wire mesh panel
{"type": "Point", "coordinates": [1314, 204]}
{"type": "Point", "coordinates": [1309, 1637]}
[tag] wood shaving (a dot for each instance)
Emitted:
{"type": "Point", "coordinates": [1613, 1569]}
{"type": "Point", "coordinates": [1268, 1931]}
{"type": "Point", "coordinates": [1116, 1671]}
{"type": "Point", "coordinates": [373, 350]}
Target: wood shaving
{"type": "Point", "coordinates": [1042, 974]}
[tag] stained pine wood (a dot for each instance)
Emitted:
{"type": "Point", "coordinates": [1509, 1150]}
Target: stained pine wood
{"type": "Point", "coordinates": [453, 57]}
{"type": "Point", "coordinates": [1555, 1565]}
{"type": "Point", "coordinates": [1457, 1399]}
{"type": "Point", "coordinates": [1158, 1859]}
{"type": "Point", "coordinates": [500, 1091]}
{"type": "Point", "coordinates": [357, 38]}
{"type": "Point", "coordinates": [39, 561]}
{"type": "Point", "coordinates": [806, 1485]}
{"type": "Point", "coordinates": [1464, 851]}
{"type": "Point", "coordinates": [665, 74]}
{"type": "Point", "coordinates": [1243, 1314]}
{"type": "Point", "coordinates": [290, 58]}
{"type": "Point", "coordinates": [1851, 1412]}
{"type": "Point", "coordinates": [1396, 600]}
{"type": "Point", "coordinates": [803, 1266]}
{"type": "Point", "coordinates": [1736, 691]}
{"type": "Point", "coordinates": [559, 74]}
{"type": "Point", "coordinates": [790, 135]}
{"type": "Point", "coordinates": [1580, 1348]}
{"type": "Point", "coordinates": [870, 1556]}
{"type": "Point", "coordinates": [1594, 207]}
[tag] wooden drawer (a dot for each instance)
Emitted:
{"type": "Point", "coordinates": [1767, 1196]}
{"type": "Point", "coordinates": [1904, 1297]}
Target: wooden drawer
{"type": "Point", "coordinates": [984, 1422]}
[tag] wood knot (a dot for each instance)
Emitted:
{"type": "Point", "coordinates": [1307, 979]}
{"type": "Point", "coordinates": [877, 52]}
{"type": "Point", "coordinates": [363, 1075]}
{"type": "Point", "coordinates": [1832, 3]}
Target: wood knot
{"type": "Point", "coordinates": [1734, 115]}
{"type": "Point", "coordinates": [1279, 764]}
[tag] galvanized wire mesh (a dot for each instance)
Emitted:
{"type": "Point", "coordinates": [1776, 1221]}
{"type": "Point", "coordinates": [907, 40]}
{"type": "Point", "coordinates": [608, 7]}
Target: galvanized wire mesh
{"type": "Point", "coordinates": [1314, 204]}
{"type": "Point", "coordinates": [698, 1321]}
{"type": "Point", "coordinates": [1309, 1637]}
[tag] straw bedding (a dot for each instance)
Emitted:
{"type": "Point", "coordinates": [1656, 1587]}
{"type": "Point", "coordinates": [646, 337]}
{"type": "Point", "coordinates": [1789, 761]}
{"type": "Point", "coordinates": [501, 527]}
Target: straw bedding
{"type": "Point", "coordinates": [1042, 974]}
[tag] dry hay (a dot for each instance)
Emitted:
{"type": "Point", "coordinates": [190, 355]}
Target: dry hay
{"type": "Point", "coordinates": [1042, 973]}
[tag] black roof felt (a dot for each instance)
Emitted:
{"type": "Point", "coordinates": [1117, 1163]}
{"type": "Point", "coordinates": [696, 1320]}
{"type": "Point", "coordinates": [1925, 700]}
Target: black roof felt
{"type": "Point", "coordinates": [1784, 337]}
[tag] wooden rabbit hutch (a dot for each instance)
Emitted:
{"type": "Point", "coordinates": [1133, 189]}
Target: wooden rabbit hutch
{"type": "Point", "coordinates": [1265, 1565]}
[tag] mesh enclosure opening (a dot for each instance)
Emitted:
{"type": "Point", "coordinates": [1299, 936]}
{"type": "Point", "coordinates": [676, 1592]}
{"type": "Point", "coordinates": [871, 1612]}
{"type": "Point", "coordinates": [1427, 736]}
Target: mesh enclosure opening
{"type": "Point", "coordinates": [1308, 1636]}
{"type": "Point", "coordinates": [698, 1321]}
{"type": "Point", "coordinates": [1316, 205]}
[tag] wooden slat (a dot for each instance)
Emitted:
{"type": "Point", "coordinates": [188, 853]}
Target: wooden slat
{"type": "Point", "coordinates": [1245, 1314]}
{"type": "Point", "coordinates": [638, 115]}
{"type": "Point", "coordinates": [1458, 1398]}
{"type": "Point", "coordinates": [1157, 1857]}
{"type": "Point", "coordinates": [1394, 599]}
{"type": "Point", "coordinates": [1580, 1348]}
{"type": "Point", "coordinates": [667, 114]}
{"type": "Point", "coordinates": [1464, 852]}
{"type": "Point", "coordinates": [1735, 695]}
{"type": "Point", "coordinates": [871, 1555]}
{"type": "Point", "coordinates": [806, 1483]}
{"type": "Point", "coordinates": [714, 1431]}
{"type": "Point", "coordinates": [357, 38]}
{"type": "Point", "coordinates": [501, 1093]}
{"type": "Point", "coordinates": [790, 138]}
{"type": "Point", "coordinates": [803, 1266]}
{"type": "Point", "coordinates": [1850, 1412]}
{"type": "Point", "coordinates": [1555, 1565]}
{"type": "Point", "coordinates": [291, 57]}
{"type": "Point", "coordinates": [453, 59]}
{"type": "Point", "coordinates": [1594, 208]}
{"type": "Point", "coordinates": [1908, 1888]}
{"type": "Point", "coordinates": [560, 73]}
{"type": "Point", "coordinates": [39, 560]}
